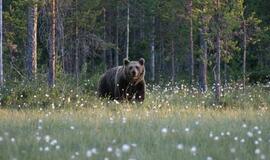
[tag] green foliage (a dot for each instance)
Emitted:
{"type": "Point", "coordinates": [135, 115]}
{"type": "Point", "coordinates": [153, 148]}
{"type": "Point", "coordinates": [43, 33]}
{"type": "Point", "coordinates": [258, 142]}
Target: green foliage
{"type": "Point", "coordinates": [172, 23]}
{"type": "Point", "coordinates": [36, 94]}
{"type": "Point", "coordinates": [15, 17]}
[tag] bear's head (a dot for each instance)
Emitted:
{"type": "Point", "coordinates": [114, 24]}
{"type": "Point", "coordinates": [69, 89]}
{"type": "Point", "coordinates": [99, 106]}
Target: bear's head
{"type": "Point", "coordinates": [134, 69]}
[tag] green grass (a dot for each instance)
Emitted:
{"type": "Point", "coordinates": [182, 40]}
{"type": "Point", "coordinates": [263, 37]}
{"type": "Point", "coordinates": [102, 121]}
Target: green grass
{"type": "Point", "coordinates": [77, 131]}
{"type": "Point", "coordinates": [172, 124]}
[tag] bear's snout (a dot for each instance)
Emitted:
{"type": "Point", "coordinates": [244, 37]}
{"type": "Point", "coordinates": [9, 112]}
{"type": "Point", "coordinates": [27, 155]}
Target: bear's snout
{"type": "Point", "coordinates": [134, 73]}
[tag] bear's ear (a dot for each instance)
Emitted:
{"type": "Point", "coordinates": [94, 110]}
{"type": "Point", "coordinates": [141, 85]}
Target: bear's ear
{"type": "Point", "coordinates": [142, 61]}
{"type": "Point", "coordinates": [126, 61]}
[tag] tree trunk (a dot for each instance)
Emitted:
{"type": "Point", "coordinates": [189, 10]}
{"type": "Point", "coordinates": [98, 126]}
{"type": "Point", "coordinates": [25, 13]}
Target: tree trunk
{"type": "Point", "coordinates": [1, 45]}
{"type": "Point", "coordinates": [116, 56]}
{"type": "Point", "coordinates": [244, 54]}
{"type": "Point", "coordinates": [77, 46]}
{"type": "Point", "coordinates": [153, 51]}
{"type": "Point", "coordinates": [60, 26]}
{"type": "Point", "coordinates": [217, 69]}
{"type": "Point", "coordinates": [204, 60]}
{"type": "Point", "coordinates": [218, 57]}
{"type": "Point", "coordinates": [142, 26]}
{"type": "Point", "coordinates": [160, 58]}
{"type": "Point", "coordinates": [32, 41]}
{"type": "Point", "coordinates": [110, 56]}
{"type": "Point", "coordinates": [104, 38]}
{"type": "Point", "coordinates": [173, 62]}
{"type": "Point", "coordinates": [128, 19]}
{"type": "Point", "coordinates": [52, 55]}
{"type": "Point", "coordinates": [225, 74]}
{"type": "Point", "coordinates": [191, 58]}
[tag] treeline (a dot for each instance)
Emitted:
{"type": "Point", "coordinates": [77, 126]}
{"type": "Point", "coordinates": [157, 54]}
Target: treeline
{"type": "Point", "coordinates": [197, 41]}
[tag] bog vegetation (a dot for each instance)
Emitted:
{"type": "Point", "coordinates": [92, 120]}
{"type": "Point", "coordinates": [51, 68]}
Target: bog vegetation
{"type": "Point", "coordinates": [171, 123]}
{"type": "Point", "coordinates": [207, 72]}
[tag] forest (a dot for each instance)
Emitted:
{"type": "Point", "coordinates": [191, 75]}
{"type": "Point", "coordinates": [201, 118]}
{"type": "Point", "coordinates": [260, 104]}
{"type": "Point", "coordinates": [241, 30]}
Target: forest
{"type": "Point", "coordinates": [197, 42]}
{"type": "Point", "coordinates": [207, 75]}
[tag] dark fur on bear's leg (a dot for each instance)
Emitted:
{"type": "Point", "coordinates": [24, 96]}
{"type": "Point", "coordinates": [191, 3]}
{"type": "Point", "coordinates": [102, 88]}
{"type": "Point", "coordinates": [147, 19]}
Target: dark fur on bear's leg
{"type": "Point", "coordinates": [140, 94]}
{"type": "Point", "coordinates": [102, 87]}
{"type": "Point", "coordinates": [124, 82]}
{"type": "Point", "coordinates": [136, 92]}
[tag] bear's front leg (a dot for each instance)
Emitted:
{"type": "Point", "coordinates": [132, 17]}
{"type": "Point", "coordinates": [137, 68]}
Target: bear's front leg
{"type": "Point", "coordinates": [129, 94]}
{"type": "Point", "coordinates": [140, 93]}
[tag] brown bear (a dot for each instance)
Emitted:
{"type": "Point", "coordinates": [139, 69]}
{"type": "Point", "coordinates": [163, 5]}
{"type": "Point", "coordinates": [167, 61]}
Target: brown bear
{"type": "Point", "coordinates": [124, 82]}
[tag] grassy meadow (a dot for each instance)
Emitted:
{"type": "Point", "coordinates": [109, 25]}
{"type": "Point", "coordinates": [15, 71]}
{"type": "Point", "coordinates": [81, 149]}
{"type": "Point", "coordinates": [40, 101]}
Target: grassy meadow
{"type": "Point", "coordinates": [172, 123]}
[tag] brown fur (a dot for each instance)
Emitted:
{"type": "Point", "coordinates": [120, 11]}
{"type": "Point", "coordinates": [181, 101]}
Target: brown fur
{"type": "Point", "coordinates": [124, 82]}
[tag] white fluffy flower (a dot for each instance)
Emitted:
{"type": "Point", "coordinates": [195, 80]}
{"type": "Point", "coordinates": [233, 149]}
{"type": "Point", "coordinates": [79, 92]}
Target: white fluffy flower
{"type": "Point", "coordinates": [180, 146]}
{"type": "Point", "coordinates": [209, 158]}
{"type": "Point", "coordinates": [89, 153]}
{"type": "Point", "coordinates": [164, 130]}
{"type": "Point", "coordinates": [232, 150]}
{"type": "Point", "coordinates": [249, 134]}
{"type": "Point", "coordinates": [257, 151]}
{"type": "Point", "coordinates": [109, 149]}
{"type": "Point", "coordinates": [125, 147]}
{"type": "Point", "coordinates": [193, 150]}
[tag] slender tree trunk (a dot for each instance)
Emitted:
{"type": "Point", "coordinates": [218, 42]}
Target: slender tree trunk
{"type": "Point", "coordinates": [32, 41]}
{"type": "Point", "coordinates": [128, 19]}
{"type": "Point", "coordinates": [116, 56]}
{"type": "Point", "coordinates": [217, 69]}
{"type": "Point", "coordinates": [60, 34]}
{"type": "Point", "coordinates": [203, 65]}
{"type": "Point", "coordinates": [134, 35]}
{"type": "Point", "coordinates": [1, 45]}
{"type": "Point", "coordinates": [142, 27]}
{"type": "Point", "coordinates": [110, 56]}
{"type": "Point", "coordinates": [161, 60]}
{"type": "Point", "coordinates": [173, 62]}
{"type": "Point", "coordinates": [244, 54]}
{"type": "Point", "coordinates": [84, 53]}
{"type": "Point", "coordinates": [191, 58]}
{"type": "Point", "coordinates": [77, 46]}
{"type": "Point", "coordinates": [160, 53]}
{"type": "Point", "coordinates": [52, 54]}
{"type": "Point", "coordinates": [218, 56]}
{"type": "Point", "coordinates": [62, 41]}
{"type": "Point", "coordinates": [225, 74]}
{"type": "Point", "coordinates": [153, 50]}
{"type": "Point", "coordinates": [104, 38]}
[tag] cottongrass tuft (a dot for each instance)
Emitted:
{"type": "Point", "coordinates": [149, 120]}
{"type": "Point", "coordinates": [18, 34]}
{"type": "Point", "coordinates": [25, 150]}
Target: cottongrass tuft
{"type": "Point", "coordinates": [125, 147]}
{"type": "Point", "coordinates": [164, 130]}
{"type": "Point", "coordinates": [193, 150]}
{"type": "Point", "coordinates": [249, 134]}
{"type": "Point", "coordinates": [232, 150]}
{"type": "Point", "coordinates": [180, 146]}
{"type": "Point", "coordinates": [109, 149]}
{"type": "Point", "coordinates": [257, 151]}
{"type": "Point", "coordinates": [72, 127]}
{"type": "Point", "coordinates": [89, 153]}
{"type": "Point", "coordinates": [209, 158]}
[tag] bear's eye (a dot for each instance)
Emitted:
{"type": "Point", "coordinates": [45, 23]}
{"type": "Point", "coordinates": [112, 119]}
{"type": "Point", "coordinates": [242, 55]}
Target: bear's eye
{"type": "Point", "coordinates": [137, 67]}
{"type": "Point", "coordinates": [130, 68]}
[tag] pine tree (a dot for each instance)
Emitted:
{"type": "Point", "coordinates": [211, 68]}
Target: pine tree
{"type": "Point", "coordinates": [52, 51]}
{"type": "Point", "coordinates": [1, 45]}
{"type": "Point", "coordinates": [32, 40]}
